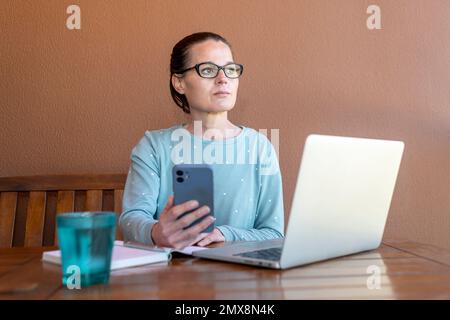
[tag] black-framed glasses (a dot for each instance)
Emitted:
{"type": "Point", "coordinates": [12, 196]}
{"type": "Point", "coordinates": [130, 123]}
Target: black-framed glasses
{"type": "Point", "coordinates": [211, 70]}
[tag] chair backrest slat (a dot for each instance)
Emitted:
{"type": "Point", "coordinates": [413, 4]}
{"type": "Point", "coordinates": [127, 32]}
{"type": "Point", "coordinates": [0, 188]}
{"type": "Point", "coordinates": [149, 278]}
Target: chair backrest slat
{"type": "Point", "coordinates": [94, 200]}
{"type": "Point", "coordinates": [34, 230]}
{"type": "Point", "coordinates": [64, 203]}
{"type": "Point", "coordinates": [118, 195]}
{"type": "Point", "coordinates": [8, 203]}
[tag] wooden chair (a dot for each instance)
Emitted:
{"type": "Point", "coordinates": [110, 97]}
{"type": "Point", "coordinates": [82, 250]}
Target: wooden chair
{"type": "Point", "coordinates": [28, 205]}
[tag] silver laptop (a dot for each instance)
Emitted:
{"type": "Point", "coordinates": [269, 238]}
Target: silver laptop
{"type": "Point", "coordinates": [340, 204]}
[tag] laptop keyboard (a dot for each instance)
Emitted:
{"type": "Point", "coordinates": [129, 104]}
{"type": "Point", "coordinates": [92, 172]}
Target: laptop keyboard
{"type": "Point", "coordinates": [273, 254]}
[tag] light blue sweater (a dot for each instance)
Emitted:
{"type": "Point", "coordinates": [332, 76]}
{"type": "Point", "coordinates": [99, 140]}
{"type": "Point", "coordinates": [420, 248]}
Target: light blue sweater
{"type": "Point", "coordinates": [248, 197]}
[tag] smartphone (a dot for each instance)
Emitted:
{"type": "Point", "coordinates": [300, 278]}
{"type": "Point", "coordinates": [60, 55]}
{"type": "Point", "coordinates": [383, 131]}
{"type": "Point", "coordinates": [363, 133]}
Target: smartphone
{"type": "Point", "coordinates": [194, 182]}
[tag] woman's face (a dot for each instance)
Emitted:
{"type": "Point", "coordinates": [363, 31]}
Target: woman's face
{"type": "Point", "coordinates": [202, 93]}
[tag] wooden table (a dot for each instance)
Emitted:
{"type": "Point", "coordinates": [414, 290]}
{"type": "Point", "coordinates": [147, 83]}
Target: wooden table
{"type": "Point", "coordinates": [407, 270]}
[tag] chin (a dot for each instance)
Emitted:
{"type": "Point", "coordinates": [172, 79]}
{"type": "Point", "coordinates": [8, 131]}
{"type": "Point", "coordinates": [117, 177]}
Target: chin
{"type": "Point", "coordinates": [222, 108]}
{"type": "Point", "coordinates": [216, 108]}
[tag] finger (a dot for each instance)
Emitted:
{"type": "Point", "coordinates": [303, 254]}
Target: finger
{"type": "Point", "coordinates": [178, 210]}
{"type": "Point", "coordinates": [200, 237]}
{"type": "Point", "coordinates": [176, 226]}
{"type": "Point", "coordinates": [191, 233]}
{"type": "Point", "coordinates": [205, 241]}
{"type": "Point", "coordinates": [188, 219]}
{"type": "Point", "coordinates": [181, 244]}
{"type": "Point", "coordinates": [215, 236]}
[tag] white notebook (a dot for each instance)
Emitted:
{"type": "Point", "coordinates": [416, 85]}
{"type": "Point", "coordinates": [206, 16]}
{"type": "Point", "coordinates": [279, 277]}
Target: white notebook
{"type": "Point", "coordinates": [187, 250]}
{"type": "Point", "coordinates": [122, 257]}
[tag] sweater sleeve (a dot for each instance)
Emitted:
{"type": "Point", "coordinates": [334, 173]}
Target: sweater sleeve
{"type": "Point", "coordinates": [269, 216]}
{"type": "Point", "coordinates": [141, 193]}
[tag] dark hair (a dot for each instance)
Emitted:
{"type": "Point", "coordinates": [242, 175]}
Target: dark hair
{"type": "Point", "coordinates": [179, 59]}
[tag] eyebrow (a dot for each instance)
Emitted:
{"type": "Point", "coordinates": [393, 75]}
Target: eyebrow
{"type": "Point", "coordinates": [216, 63]}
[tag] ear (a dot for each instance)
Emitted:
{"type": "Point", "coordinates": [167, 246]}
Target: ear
{"type": "Point", "coordinates": [178, 83]}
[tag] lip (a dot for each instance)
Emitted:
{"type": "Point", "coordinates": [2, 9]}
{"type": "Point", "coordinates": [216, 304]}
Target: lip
{"type": "Point", "coordinates": [222, 93]}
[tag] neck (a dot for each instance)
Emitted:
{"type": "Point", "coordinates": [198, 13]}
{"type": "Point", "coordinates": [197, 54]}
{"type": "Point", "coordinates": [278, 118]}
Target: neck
{"type": "Point", "coordinates": [214, 126]}
{"type": "Point", "coordinates": [209, 120]}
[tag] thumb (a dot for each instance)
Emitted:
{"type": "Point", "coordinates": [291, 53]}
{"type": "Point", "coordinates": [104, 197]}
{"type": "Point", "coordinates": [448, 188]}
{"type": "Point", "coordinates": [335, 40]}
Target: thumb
{"type": "Point", "coordinates": [169, 204]}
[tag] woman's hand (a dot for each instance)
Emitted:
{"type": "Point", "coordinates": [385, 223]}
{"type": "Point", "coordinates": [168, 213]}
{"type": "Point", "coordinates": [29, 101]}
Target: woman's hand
{"type": "Point", "coordinates": [170, 232]}
{"type": "Point", "coordinates": [214, 236]}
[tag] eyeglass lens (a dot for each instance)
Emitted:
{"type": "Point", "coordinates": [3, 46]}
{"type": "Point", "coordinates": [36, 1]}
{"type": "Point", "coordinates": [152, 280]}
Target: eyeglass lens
{"type": "Point", "coordinates": [209, 70]}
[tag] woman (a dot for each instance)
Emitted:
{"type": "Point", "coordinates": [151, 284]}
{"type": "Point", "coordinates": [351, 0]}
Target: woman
{"type": "Point", "coordinates": [247, 182]}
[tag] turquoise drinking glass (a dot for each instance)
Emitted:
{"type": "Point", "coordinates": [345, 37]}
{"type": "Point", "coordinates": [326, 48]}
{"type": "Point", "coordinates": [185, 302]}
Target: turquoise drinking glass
{"type": "Point", "coordinates": [86, 241]}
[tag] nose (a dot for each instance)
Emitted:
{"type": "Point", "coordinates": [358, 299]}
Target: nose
{"type": "Point", "coordinates": [221, 77]}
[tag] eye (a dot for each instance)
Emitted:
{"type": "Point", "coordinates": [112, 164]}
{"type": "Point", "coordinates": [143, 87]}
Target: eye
{"type": "Point", "coordinates": [233, 70]}
{"type": "Point", "coordinates": [207, 70]}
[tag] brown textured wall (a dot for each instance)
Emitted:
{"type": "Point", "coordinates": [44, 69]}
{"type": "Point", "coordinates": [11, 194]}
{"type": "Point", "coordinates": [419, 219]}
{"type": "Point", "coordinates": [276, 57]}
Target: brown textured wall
{"type": "Point", "coordinates": [77, 101]}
